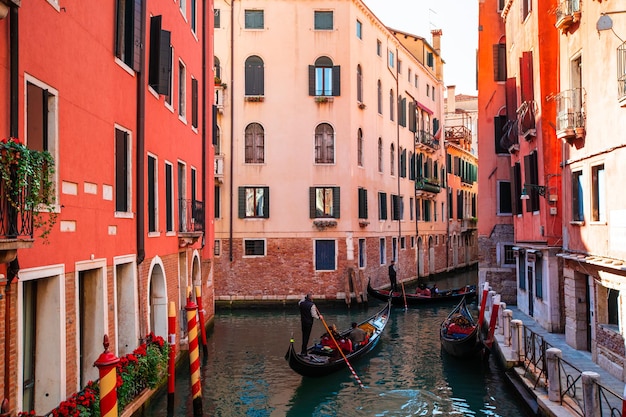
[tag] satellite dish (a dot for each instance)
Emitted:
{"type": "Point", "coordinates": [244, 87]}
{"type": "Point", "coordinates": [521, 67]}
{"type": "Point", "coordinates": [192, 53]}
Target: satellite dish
{"type": "Point", "coordinates": [604, 23]}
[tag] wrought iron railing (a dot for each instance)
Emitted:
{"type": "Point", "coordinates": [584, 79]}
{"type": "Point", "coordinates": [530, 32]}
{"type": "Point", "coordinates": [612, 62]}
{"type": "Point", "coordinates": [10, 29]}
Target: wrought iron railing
{"type": "Point", "coordinates": [610, 403]}
{"type": "Point", "coordinates": [16, 218]}
{"type": "Point", "coordinates": [427, 184]}
{"type": "Point", "coordinates": [570, 109]}
{"type": "Point", "coordinates": [191, 216]}
{"type": "Point", "coordinates": [535, 364]}
{"type": "Point", "coordinates": [571, 386]}
{"type": "Point", "coordinates": [426, 138]}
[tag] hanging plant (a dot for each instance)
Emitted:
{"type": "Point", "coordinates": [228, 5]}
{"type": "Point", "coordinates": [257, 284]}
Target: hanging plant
{"type": "Point", "coordinates": [27, 179]}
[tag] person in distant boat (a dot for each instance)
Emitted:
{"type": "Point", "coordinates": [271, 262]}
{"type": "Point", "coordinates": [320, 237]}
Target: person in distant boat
{"type": "Point", "coordinates": [392, 276]}
{"type": "Point", "coordinates": [357, 335]}
{"type": "Point", "coordinates": [308, 312]}
{"type": "Point", "coordinates": [435, 291]}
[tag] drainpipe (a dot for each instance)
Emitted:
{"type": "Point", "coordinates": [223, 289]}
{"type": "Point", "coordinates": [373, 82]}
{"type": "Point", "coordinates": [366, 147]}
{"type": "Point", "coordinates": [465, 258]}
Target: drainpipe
{"type": "Point", "coordinates": [399, 156]}
{"type": "Point", "coordinates": [141, 143]}
{"type": "Point", "coordinates": [232, 126]}
{"type": "Point", "coordinates": [13, 267]}
{"type": "Point", "coordinates": [204, 113]}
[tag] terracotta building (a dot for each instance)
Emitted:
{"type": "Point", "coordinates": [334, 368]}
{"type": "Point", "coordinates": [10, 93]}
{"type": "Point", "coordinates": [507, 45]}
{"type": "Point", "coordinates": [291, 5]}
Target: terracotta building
{"type": "Point", "coordinates": [330, 161]}
{"type": "Point", "coordinates": [115, 92]}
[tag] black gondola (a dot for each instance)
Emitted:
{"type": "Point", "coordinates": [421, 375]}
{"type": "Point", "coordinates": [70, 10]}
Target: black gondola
{"type": "Point", "coordinates": [444, 296]}
{"type": "Point", "coordinates": [321, 360]}
{"type": "Point", "coordinates": [459, 333]}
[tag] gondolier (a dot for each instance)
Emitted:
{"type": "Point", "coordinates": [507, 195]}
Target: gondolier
{"type": "Point", "coordinates": [308, 312]}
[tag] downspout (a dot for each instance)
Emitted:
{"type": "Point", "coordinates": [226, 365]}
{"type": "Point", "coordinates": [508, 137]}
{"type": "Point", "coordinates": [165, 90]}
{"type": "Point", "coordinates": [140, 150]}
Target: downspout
{"type": "Point", "coordinates": [141, 142]}
{"type": "Point", "coordinates": [204, 113]}
{"type": "Point", "coordinates": [232, 126]}
{"type": "Point", "coordinates": [13, 267]}
{"type": "Point", "coordinates": [399, 155]}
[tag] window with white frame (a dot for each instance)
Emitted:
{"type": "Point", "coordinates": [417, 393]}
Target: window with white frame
{"type": "Point", "coordinates": [152, 195]}
{"type": "Point", "coordinates": [380, 155]}
{"type": "Point", "coordinates": [578, 196]}
{"type": "Point", "coordinates": [254, 202]}
{"type": "Point", "coordinates": [598, 194]}
{"type": "Point", "coordinates": [359, 29]}
{"type": "Point", "coordinates": [254, 19]}
{"type": "Point", "coordinates": [254, 247]}
{"type": "Point", "coordinates": [324, 144]}
{"type": "Point", "coordinates": [182, 90]}
{"type": "Point", "coordinates": [323, 20]}
{"type": "Point", "coordinates": [183, 7]}
{"type": "Point", "coordinates": [382, 251]}
{"type": "Point", "coordinates": [123, 178]}
{"type": "Point", "coordinates": [254, 144]}
{"type": "Point", "coordinates": [362, 253]}
{"type": "Point", "coordinates": [169, 197]}
{"type": "Point", "coordinates": [325, 255]}
{"type": "Point", "coordinates": [254, 76]}
{"type": "Point", "coordinates": [359, 147]}
{"type": "Point", "coordinates": [324, 78]}
{"type": "Point", "coordinates": [324, 202]}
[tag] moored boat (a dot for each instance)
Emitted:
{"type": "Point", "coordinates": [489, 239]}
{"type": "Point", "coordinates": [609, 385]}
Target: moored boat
{"type": "Point", "coordinates": [423, 296]}
{"type": "Point", "coordinates": [459, 333]}
{"type": "Point", "coordinates": [322, 360]}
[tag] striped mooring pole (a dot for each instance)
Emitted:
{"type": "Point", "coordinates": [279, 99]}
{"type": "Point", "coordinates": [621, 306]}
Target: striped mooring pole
{"type": "Point", "coordinates": [205, 348]}
{"type": "Point", "coordinates": [106, 364]}
{"type": "Point", "coordinates": [194, 357]}
{"type": "Point", "coordinates": [171, 375]}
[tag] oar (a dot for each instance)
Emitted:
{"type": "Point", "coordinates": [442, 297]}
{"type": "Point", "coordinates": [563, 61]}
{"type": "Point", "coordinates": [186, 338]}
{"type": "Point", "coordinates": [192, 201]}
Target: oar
{"type": "Point", "coordinates": [341, 351]}
{"type": "Point", "coordinates": [404, 295]}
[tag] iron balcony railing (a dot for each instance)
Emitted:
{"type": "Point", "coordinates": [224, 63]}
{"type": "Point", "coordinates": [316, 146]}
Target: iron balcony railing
{"type": "Point", "coordinates": [16, 219]}
{"type": "Point", "coordinates": [191, 216]}
{"type": "Point", "coordinates": [621, 72]}
{"type": "Point", "coordinates": [565, 12]}
{"type": "Point", "coordinates": [570, 112]}
{"type": "Point", "coordinates": [424, 137]}
{"type": "Point", "coordinates": [427, 184]}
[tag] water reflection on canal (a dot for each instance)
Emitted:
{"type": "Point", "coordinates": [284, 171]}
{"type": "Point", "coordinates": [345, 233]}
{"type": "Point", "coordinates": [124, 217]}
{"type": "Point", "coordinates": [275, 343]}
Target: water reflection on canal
{"type": "Point", "coordinates": [246, 374]}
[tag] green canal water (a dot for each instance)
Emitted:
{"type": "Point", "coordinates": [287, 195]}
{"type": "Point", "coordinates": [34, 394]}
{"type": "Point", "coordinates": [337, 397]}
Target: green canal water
{"type": "Point", "coordinates": [407, 374]}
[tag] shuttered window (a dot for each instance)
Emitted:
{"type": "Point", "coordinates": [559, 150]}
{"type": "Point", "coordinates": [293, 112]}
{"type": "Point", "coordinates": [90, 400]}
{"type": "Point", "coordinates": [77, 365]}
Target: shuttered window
{"type": "Point", "coordinates": [324, 202]}
{"type": "Point", "coordinates": [254, 74]}
{"type": "Point", "coordinates": [255, 144]}
{"type": "Point", "coordinates": [499, 62]}
{"type": "Point", "coordinates": [128, 32]}
{"type": "Point", "coordinates": [324, 144]}
{"type": "Point", "coordinates": [160, 62]}
{"type": "Point", "coordinates": [362, 203]}
{"type": "Point", "coordinates": [382, 206]}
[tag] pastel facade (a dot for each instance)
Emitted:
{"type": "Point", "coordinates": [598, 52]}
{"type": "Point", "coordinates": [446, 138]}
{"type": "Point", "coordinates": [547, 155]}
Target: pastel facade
{"type": "Point", "coordinates": [129, 185]}
{"type": "Point", "coordinates": [328, 157]}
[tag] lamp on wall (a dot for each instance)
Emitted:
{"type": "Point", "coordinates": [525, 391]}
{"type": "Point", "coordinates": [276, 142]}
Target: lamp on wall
{"type": "Point", "coordinates": [606, 23]}
{"type": "Point", "coordinates": [541, 190]}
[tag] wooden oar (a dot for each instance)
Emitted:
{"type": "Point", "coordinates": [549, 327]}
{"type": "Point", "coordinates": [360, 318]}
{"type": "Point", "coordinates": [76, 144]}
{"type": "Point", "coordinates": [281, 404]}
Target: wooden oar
{"type": "Point", "coordinates": [404, 295]}
{"type": "Point", "coordinates": [341, 351]}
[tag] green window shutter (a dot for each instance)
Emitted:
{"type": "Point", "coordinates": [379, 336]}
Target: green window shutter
{"type": "Point", "coordinates": [242, 202]}
{"type": "Point", "coordinates": [311, 80]}
{"type": "Point", "coordinates": [336, 80]}
{"type": "Point", "coordinates": [266, 202]}
{"type": "Point", "coordinates": [312, 202]}
{"type": "Point", "coordinates": [336, 203]}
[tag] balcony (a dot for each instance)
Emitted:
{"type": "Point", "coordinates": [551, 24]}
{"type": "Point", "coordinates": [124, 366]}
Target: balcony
{"type": "Point", "coordinates": [526, 118]}
{"type": "Point", "coordinates": [191, 221]}
{"type": "Point", "coordinates": [567, 14]}
{"type": "Point", "coordinates": [570, 110]}
{"type": "Point", "coordinates": [426, 141]}
{"type": "Point", "coordinates": [458, 129]}
{"type": "Point", "coordinates": [218, 172]}
{"type": "Point", "coordinates": [510, 139]}
{"type": "Point", "coordinates": [427, 187]}
{"type": "Point", "coordinates": [16, 226]}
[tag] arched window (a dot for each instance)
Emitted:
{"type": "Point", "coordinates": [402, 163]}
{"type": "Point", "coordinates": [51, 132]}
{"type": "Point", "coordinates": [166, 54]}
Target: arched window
{"type": "Point", "coordinates": [254, 74]}
{"type": "Point", "coordinates": [359, 84]}
{"type": "Point", "coordinates": [380, 155]}
{"type": "Point", "coordinates": [359, 146]}
{"type": "Point", "coordinates": [391, 105]}
{"type": "Point", "coordinates": [255, 144]}
{"type": "Point", "coordinates": [217, 68]}
{"type": "Point", "coordinates": [324, 144]}
{"type": "Point", "coordinates": [217, 140]}
{"type": "Point", "coordinates": [324, 78]}
{"type": "Point", "coordinates": [392, 159]}
{"type": "Point", "coordinates": [380, 97]}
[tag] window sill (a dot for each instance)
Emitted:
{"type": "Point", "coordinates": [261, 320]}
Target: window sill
{"type": "Point", "coordinates": [324, 224]}
{"type": "Point", "coordinates": [124, 215]}
{"type": "Point", "coordinates": [593, 223]}
{"type": "Point", "coordinates": [254, 99]}
{"type": "Point", "coordinates": [324, 99]}
{"type": "Point", "coordinates": [577, 223]}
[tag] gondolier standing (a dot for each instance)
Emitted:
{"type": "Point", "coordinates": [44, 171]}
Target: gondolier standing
{"type": "Point", "coordinates": [308, 311]}
{"type": "Point", "coordinates": [392, 276]}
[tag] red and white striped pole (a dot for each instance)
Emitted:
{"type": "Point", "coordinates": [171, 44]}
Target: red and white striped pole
{"type": "Point", "coordinates": [624, 402]}
{"type": "Point", "coordinates": [171, 376]}
{"type": "Point", "coordinates": [483, 305]}
{"type": "Point", "coordinates": [493, 320]}
{"type": "Point", "coordinates": [107, 370]}
{"type": "Point", "coordinates": [194, 357]}
{"type": "Point", "coordinates": [205, 348]}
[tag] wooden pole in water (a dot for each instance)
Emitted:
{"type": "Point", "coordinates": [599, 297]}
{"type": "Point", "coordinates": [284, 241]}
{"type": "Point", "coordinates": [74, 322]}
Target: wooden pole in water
{"type": "Point", "coordinates": [194, 357]}
{"type": "Point", "coordinates": [483, 304]}
{"type": "Point", "coordinates": [171, 376]}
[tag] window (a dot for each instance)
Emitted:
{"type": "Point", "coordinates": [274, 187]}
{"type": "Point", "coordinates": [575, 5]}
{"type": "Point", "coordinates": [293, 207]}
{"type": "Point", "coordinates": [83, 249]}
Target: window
{"type": "Point", "coordinates": [417, 79]}
{"type": "Point", "coordinates": [324, 144]}
{"type": "Point", "coordinates": [621, 72]}
{"type": "Point", "coordinates": [379, 48]}
{"type": "Point", "coordinates": [411, 208]}
{"type": "Point", "coordinates": [612, 307]}
{"type": "Point", "coordinates": [402, 167]}
{"type": "Point", "coordinates": [123, 178]}
{"type": "Point", "coordinates": [217, 19]}
{"type": "Point", "coordinates": [254, 74]}
{"type": "Point", "coordinates": [598, 197]}
{"type": "Point", "coordinates": [194, 103]}
{"type": "Point", "coordinates": [254, 202]}
{"type": "Point", "coordinates": [217, 203]}
{"type": "Point", "coordinates": [499, 123]}
{"type": "Point", "coordinates": [380, 97]}
{"type": "Point", "coordinates": [430, 61]}
{"type": "Point", "coordinates": [392, 159]}
{"type": "Point", "coordinates": [362, 203]}
{"type": "Point", "coordinates": [521, 269]}
{"type": "Point", "coordinates": [426, 210]}
{"type": "Point", "coordinates": [42, 121]}
{"type": "Point", "coordinates": [538, 276]}
{"type": "Point", "coordinates": [254, 19]}
{"type": "Point", "coordinates": [392, 105]}
{"type": "Point", "coordinates": [152, 194]}
{"type": "Point", "coordinates": [499, 62]}
{"type": "Point", "coordinates": [359, 29]}
{"type": "Point", "coordinates": [194, 179]}
{"type": "Point", "coordinates": [382, 251]}
{"type": "Point", "coordinates": [324, 202]}
{"type": "Point", "coordinates": [394, 248]}
{"type": "Point", "coordinates": [255, 144]}
{"type": "Point", "coordinates": [183, 7]}
{"type": "Point", "coordinates": [578, 212]}
{"type": "Point", "coordinates": [217, 247]}
{"type": "Point", "coordinates": [380, 155]}
{"type": "Point", "coordinates": [160, 62]}
{"type": "Point", "coordinates": [409, 77]}
{"type": "Point", "coordinates": [323, 20]}
{"type": "Point", "coordinates": [128, 32]}
{"type": "Point", "coordinates": [362, 254]}
{"type": "Point", "coordinates": [169, 197]}
{"type": "Point", "coordinates": [359, 84]}
{"type": "Point", "coordinates": [504, 197]}
{"type": "Point", "coordinates": [509, 255]}
{"type": "Point", "coordinates": [359, 147]}
{"type": "Point", "coordinates": [391, 59]}
{"type": "Point", "coordinates": [254, 247]}
{"type": "Point", "coordinates": [217, 68]}
{"type": "Point", "coordinates": [194, 12]}
{"type": "Point", "coordinates": [182, 90]}
{"type": "Point", "coordinates": [501, 5]}
{"type": "Point", "coordinates": [325, 255]}
{"type": "Point", "coordinates": [531, 176]}
{"type": "Point", "coordinates": [324, 78]}
{"type": "Point", "coordinates": [397, 207]}
{"type": "Point", "coordinates": [402, 111]}
{"type": "Point", "coordinates": [382, 206]}
{"type": "Point", "coordinates": [527, 6]}
{"type": "Point", "coordinates": [399, 66]}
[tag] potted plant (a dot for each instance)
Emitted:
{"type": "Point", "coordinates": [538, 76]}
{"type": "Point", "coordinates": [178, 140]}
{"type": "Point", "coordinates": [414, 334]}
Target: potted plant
{"type": "Point", "coordinates": [27, 179]}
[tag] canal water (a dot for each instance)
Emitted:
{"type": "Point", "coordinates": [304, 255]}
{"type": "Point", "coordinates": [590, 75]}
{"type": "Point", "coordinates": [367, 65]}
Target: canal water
{"type": "Point", "coordinates": [245, 372]}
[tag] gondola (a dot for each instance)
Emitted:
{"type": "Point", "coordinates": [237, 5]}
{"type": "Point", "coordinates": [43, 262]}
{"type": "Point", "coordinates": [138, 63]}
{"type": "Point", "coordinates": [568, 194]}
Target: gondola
{"type": "Point", "coordinates": [323, 360]}
{"type": "Point", "coordinates": [459, 333]}
{"type": "Point", "coordinates": [444, 296]}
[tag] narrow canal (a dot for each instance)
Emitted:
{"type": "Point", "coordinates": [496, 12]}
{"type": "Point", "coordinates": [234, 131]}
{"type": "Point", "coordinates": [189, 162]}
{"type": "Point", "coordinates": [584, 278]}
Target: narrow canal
{"type": "Point", "coordinates": [407, 374]}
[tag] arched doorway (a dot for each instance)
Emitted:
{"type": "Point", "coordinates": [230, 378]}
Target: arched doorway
{"type": "Point", "coordinates": [420, 257]}
{"type": "Point", "coordinates": [157, 297]}
{"type": "Point", "coordinates": [431, 256]}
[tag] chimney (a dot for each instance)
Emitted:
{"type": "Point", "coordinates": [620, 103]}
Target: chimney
{"type": "Point", "coordinates": [436, 33]}
{"type": "Point", "coordinates": [451, 100]}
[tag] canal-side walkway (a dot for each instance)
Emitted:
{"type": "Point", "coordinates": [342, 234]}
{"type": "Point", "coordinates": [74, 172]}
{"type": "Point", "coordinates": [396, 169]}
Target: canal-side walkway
{"type": "Point", "coordinates": [576, 362]}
